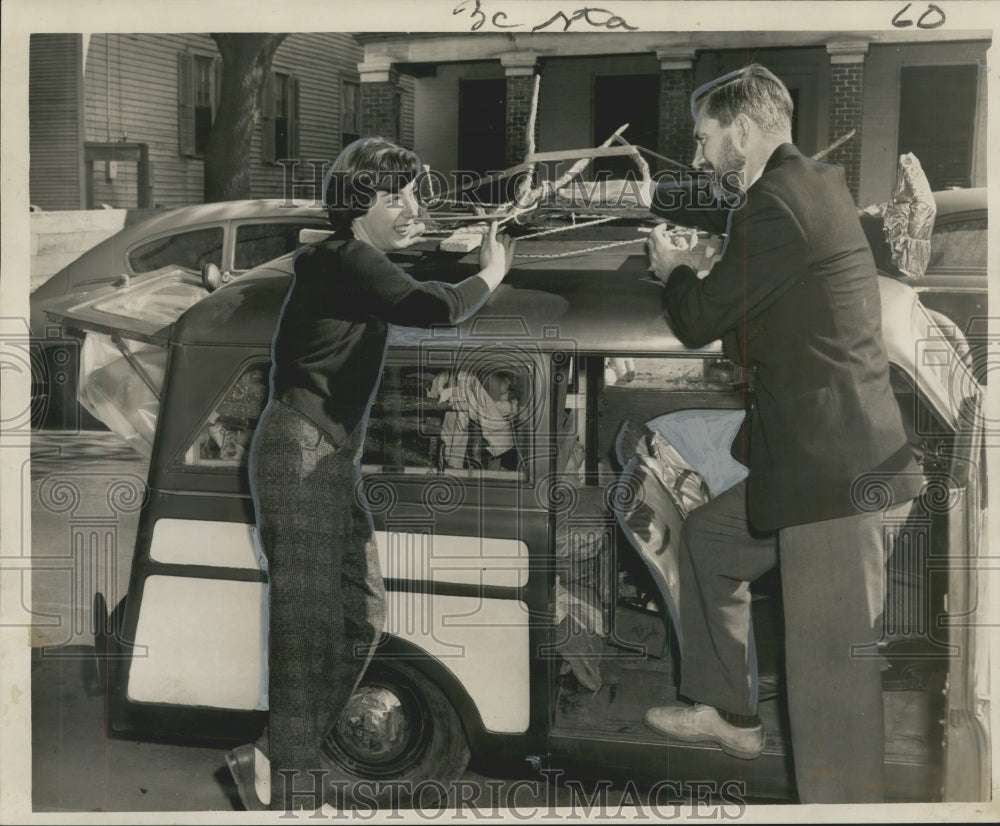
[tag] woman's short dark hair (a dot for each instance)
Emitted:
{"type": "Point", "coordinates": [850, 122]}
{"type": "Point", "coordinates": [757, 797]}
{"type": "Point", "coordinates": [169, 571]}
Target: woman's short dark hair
{"type": "Point", "coordinates": [365, 167]}
{"type": "Point", "coordinates": [754, 91]}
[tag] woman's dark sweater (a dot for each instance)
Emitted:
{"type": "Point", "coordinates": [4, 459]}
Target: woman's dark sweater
{"type": "Point", "coordinates": [332, 336]}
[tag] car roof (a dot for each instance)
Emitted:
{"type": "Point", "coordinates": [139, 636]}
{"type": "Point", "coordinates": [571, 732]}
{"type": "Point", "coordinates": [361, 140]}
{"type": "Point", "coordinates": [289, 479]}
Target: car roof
{"type": "Point", "coordinates": [262, 208]}
{"type": "Point", "coordinates": [604, 303]}
{"type": "Point", "coordinates": [956, 201]}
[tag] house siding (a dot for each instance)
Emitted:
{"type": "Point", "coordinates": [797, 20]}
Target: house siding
{"type": "Point", "coordinates": [131, 93]}
{"type": "Point", "coordinates": [130, 84]}
{"type": "Point", "coordinates": [320, 60]}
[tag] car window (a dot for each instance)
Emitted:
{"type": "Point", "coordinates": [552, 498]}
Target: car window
{"type": "Point", "coordinates": [257, 243]}
{"type": "Point", "coordinates": [422, 420]}
{"type": "Point", "coordinates": [959, 245]}
{"type": "Point", "coordinates": [192, 250]}
{"type": "Point", "coordinates": [224, 440]}
{"type": "Point", "coordinates": [473, 419]}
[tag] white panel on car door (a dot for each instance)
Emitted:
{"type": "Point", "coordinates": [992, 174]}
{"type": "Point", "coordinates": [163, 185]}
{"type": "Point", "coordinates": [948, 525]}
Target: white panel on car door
{"type": "Point", "coordinates": [203, 641]}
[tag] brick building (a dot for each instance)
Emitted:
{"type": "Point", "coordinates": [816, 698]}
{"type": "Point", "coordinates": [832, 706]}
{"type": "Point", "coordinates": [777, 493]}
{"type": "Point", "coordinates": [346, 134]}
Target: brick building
{"type": "Point", "coordinates": [900, 91]}
{"type": "Point", "coordinates": [120, 119]}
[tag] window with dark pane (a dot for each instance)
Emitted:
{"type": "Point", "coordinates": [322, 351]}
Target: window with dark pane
{"type": "Point", "coordinates": [631, 99]}
{"type": "Point", "coordinates": [957, 246]}
{"type": "Point", "coordinates": [190, 250]}
{"type": "Point", "coordinates": [204, 80]}
{"type": "Point", "coordinates": [350, 118]}
{"type": "Point", "coordinates": [258, 243]}
{"type": "Point", "coordinates": [937, 121]}
{"type": "Point", "coordinates": [282, 122]}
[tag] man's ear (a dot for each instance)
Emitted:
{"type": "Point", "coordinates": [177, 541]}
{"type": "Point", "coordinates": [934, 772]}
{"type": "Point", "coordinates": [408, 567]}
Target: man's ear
{"type": "Point", "coordinates": [742, 130]}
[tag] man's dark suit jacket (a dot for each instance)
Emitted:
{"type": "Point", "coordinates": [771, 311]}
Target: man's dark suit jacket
{"type": "Point", "coordinates": [795, 299]}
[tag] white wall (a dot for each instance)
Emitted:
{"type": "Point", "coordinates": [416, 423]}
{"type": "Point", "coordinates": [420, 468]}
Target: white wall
{"type": "Point", "coordinates": [57, 238]}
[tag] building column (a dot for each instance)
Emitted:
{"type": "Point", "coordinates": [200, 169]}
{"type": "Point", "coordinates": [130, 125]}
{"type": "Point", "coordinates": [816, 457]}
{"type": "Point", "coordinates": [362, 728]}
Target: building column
{"type": "Point", "coordinates": [676, 138]}
{"type": "Point", "coordinates": [519, 68]}
{"type": "Point", "coordinates": [381, 99]}
{"type": "Point", "coordinates": [847, 90]}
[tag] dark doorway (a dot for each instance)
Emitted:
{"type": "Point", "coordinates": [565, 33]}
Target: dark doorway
{"type": "Point", "coordinates": [482, 130]}
{"type": "Point", "coordinates": [937, 121]}
{"type": "Point", "coordinates": [631, 99]}
{"type": "Point", "coordinates": [482, 133]}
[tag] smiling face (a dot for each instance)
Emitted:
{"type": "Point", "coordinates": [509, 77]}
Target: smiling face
{"type": "Point", "coordinates": [389, 223]}
{"type": "Point", "coordinates": [716, 151]}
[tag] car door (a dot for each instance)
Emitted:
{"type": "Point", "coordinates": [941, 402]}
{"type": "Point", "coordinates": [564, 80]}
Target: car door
{"type": "Point", "coordinates": [948, 623]}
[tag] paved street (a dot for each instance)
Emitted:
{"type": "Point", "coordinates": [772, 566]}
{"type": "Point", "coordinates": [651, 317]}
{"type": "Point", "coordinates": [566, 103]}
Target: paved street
{"type": "Point", "coordinates": [86, 492]}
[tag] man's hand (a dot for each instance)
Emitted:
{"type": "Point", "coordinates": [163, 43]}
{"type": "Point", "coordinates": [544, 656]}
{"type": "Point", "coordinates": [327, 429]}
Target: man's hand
{"type": "Point", "coordinates": [668, 250]}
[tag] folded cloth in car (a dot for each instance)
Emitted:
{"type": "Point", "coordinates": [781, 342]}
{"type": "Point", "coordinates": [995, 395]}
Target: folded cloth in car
{"type": "Point", "coordinates": [703, 438]}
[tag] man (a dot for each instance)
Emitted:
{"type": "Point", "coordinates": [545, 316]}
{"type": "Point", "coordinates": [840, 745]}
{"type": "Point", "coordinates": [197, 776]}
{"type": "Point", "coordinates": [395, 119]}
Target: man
{"type": "Point", "coordinates": [794, 297]}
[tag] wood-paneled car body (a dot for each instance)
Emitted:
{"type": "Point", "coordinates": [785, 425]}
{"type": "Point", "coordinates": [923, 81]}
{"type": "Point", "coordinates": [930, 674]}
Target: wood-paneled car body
{"type": "Point", "coordinates": [528, 539]}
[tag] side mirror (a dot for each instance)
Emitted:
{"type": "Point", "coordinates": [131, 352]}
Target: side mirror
{"type": "Point", "coordinates": [211, 276]}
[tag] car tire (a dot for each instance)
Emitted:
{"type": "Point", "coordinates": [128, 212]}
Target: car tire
{"type": "Point", "coordinates": [398, 743]}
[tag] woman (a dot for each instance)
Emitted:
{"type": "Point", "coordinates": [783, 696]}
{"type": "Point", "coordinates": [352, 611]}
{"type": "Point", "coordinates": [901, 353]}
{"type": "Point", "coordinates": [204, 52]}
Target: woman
{"type": "Point", "coordinates": [326, 592]}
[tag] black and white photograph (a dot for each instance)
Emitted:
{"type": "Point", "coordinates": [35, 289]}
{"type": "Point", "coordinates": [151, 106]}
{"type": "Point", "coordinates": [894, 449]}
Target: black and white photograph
{"type": "Point", "coordinates": [497, 411]}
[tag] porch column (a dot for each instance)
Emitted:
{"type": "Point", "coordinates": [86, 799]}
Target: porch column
{"type": "Point", "coordinates": [676, 139]}
{"type": "Point", "coordinates": [381, 99]}
{"type": "Point", "coordinates": [519, 68]}
{"type": "Point", "coordinates": [847, 90]}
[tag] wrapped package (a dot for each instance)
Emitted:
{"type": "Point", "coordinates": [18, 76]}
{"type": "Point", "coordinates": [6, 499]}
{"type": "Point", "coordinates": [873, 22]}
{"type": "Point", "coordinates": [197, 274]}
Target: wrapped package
{"type": "Point", "coordinates": [908, 218]}
{"type": "Point", "coordinates": [114, 392]}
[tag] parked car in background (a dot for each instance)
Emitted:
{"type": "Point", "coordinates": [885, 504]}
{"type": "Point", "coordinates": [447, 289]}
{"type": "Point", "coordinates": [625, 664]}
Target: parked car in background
{"type": "Point", "coordinates": [233, 236]}
{"type": "Point", "coordinates": [955, 283]}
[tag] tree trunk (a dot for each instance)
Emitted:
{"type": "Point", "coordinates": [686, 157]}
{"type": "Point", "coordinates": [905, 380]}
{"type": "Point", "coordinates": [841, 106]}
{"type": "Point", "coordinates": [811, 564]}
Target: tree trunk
{"type": "Point", "coordinates": [246, 62]}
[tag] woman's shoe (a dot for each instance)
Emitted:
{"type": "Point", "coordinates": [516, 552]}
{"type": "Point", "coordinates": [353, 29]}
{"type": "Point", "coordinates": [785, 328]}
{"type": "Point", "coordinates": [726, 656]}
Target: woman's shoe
{"type": "Point", "coordinates": [241, 765]}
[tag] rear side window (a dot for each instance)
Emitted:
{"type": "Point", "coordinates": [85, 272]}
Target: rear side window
{"type": "Point", "coordinates": [468, 418]}
{"type": "Point", "coordinates": [191, 250]}
{"type": "Point", "coordinates": [959, 245]}
{"type": "Point", "coordinates": [224, 440]}
{"type": "Point", "coordinates": [461, 419]}
{"type": "Point", "coordinates": [257, 243]}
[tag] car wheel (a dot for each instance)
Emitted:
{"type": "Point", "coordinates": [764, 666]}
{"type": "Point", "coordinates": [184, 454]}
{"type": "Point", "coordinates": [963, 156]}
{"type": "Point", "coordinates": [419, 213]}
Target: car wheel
{"type": "Point", "coordinates": [398, 742]}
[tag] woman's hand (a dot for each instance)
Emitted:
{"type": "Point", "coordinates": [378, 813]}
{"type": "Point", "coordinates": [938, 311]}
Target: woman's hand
{"type": "Point", "coordinates": [495, 256]}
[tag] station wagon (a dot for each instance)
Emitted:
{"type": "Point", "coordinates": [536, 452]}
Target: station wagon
{"type": "Point", "coordinates": [527, 525]}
